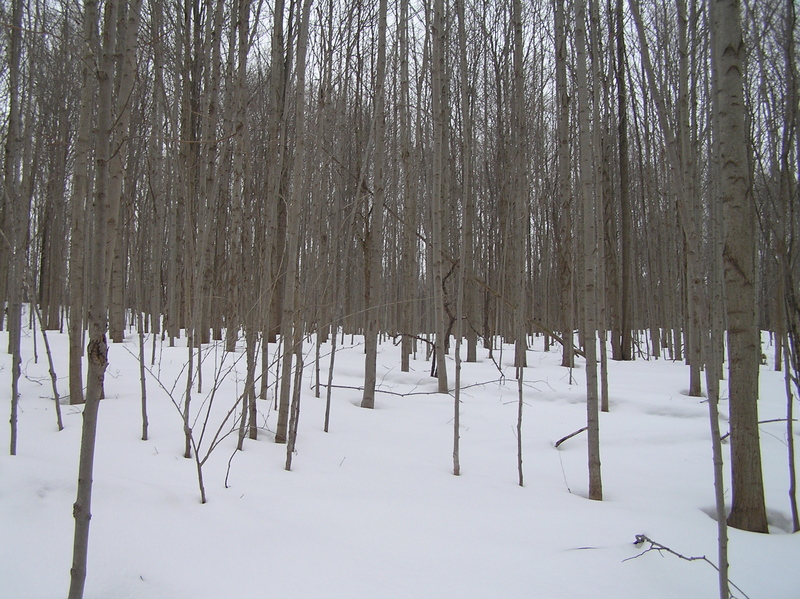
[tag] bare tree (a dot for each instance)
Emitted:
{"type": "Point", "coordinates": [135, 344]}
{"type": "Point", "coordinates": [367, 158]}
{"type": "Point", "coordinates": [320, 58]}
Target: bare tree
{"type": "Point", "coordinates": [748, 510]}
{"type": "Point", "coordinates": [439, 110]}
{"type": "Point", "coordinates": [14, 197]}
{"type": "Point", "coordinates": [374, 237]}
{"type": "Point", "coordinates": [79, 200]}
{"type": "Point", "coordinates": [626, 241]}
{"type": "Point", "coordinates": [291, 321]}
{"type": "Point", "coordinates": [564, 194]}
{"type": "Point", "coordinates": [97, 351]}
{"type": "Point", "coordinates": [589, 254]}
{"type": "Point", "coordinates": [128, 33]}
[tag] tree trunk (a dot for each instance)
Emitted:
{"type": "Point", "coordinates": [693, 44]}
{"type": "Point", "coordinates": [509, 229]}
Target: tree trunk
{"type": "Point", "coordinates": [97, 350]}
{"type": "Point", "coordinates": [748, 511]}
{"type": "Point", "coordinates": [519, 191]}
{"type": "Point", "coordinates": [14, 199]}
{"type": "Point", "coordinates": [469, 299]}
{"type": "Point", "coordinates": [626, 241]}
{"type": "Point", "coordinates": [409, 239]}
{"type": "Point", "coordinates": [589, 256]}
{"type": "Point", "coordinates": [79, 210]}
{"type": "Point", "coordinates": [128, 28]}
{"type": "Point", "coordinates": [375, 234]}
{"type": "Point", "coordinates": [438, 190]}
{"type": "Point", "coordinates": [564, 198]}
{"type": "Point", "coordinates": [291, 320]}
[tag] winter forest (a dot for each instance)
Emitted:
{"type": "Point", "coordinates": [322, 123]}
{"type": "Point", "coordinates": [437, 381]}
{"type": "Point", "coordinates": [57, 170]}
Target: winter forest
{"type": "Point", "coordinates": [579, 214]}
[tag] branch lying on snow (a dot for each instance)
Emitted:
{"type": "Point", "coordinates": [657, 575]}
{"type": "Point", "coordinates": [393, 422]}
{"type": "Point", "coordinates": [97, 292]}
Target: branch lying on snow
{"type": "Point", "coordinates": [728, 434]}
{"type": "Point", "coordinates": [654, 546]}
{"type": "Point", "coordinates": [569, 436]}
{"type": "Point", "coordinates": [410, 393]}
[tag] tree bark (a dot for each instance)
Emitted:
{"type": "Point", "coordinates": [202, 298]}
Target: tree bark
{"type": "Point", "coordinates": [438, 190]}
{"type": "Point", "coordinates": [97, 350]}
{"type": "Point", "coordinates": [409, 239]}
{"type": "Point", "coordinates": [748, 510]}
{"type": "Point", "coordinates": [375, 234]}
{"type": "Point", "coordinates": [291, 320]}
{"type": "Point", "coordinates": [564, 198]}
{"type": "Point", "coordinates": [626, 241]}
{"type": "Point", "coordinates": [128, 27]}
{"type": "Point", "coordinates": [14, 198]}
{"type": "Point", "coordinates": [589, 256]}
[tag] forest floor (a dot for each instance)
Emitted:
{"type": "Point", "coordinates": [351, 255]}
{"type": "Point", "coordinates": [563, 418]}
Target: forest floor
{"type": "Point", "coordinates": [371, 508]}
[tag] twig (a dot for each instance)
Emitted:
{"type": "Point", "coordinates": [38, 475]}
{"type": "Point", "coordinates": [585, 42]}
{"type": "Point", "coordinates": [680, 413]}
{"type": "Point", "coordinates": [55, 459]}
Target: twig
{"type": "Point", "coordinates": [726, 435]}
{"type": "Point", "coordinates": [564, 474]}
{"type": "Point", "coordinates": [381, 390]}
{"type": "Point", "coordinates": [569, 436]}
{"type": "Point", "coordinates": [410, 393]}
{"type": "Point", "coordinates": [654, 546]}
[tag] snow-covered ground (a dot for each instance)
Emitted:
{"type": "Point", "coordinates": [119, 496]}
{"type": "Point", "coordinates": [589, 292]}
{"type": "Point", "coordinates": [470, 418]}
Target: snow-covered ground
{"type": "Point", "coordinates": [371, 508]}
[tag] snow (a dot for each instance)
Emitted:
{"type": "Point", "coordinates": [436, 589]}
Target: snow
{"type": "Point", "coordinates": [371, 508]}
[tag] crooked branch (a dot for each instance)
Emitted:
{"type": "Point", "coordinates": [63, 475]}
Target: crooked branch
{"type": "Point", "coordinates": [661, 549]}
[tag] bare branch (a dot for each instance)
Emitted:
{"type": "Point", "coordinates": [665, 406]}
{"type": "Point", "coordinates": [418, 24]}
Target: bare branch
{"type": "Point", "coordinates": [654, 546]}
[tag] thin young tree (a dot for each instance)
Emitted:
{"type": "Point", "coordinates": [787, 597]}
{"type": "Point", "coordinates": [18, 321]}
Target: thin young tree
{"type": "Point", "coordinates": [624, 347]}
{"type": "Point", "coordinates": [14, 197]}
{"type": "Point", "coordinates": [788, 195]}
{"type": "Point", "coordinates": [439, 110]}
{"type": "Point", "coordinates": [589, 254]}
{"type": "Point", "coordinates": [291, 318]}
{"type": "Point", "coordinates": [125, 75]}
{"type": "Point", "coordinates": [374, 236]}
{"type": "Point", "coordinates": [408, 242]}
{"type": "Point", "coordinates": [79, 200]}
{"type": "Point", "coordinates": [521, 220]}
{"type": "Point", "coordinates": [467, 260]}
{"type": "Point", "coordinates": [97, 350]}
{"type": "Point", "coordinates": [712, 385]}
{"type": "Point", "coordinates": [564, 193]}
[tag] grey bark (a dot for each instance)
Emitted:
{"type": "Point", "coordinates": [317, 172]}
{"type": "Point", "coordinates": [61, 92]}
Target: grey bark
{"type": "Point", "coordinates": [97, 350]}
{"type": "Point", "coordinates": [468, 198]}
{"type": "Point", "coordinates": [438, 190]}
{"type": "Point", "coordinates": [13, 200]}
{"type": "Point", "coordinates": [375, 233]}
{"type": "Point", "coordinates": [408, 257]}
{"type": "Point", "coordinates": [519, 166]}
{"type": "Point", "coordinates": [291, 320]}
{"type": "Point", "coordinates": [748, 510]}
{"type": "Point", "coordinates": [589, 256]}
{"type": "Point", "coordinates": [626, 242]}
{"type": "Point", "coordinates": [129, 29]}
{"type": "Point", "coordinates": [564, 198]}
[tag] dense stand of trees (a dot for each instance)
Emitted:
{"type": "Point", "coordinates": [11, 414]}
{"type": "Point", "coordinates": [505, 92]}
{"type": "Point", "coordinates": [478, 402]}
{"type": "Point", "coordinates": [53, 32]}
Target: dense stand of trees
{"type": "Point", "coordinates": [261, 170]}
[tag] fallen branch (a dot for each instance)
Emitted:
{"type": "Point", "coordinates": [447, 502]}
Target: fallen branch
{"type": "Point", "coordinates": [569, 436]}
{"type": "Point", "coordinates": [410, 393]}
{"type": "Point", "coordinates": [377, 390]}
{"type": "Point", "coordinates": [728, 434]}
{"type": "Point", "coordinates": [654, 546]}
